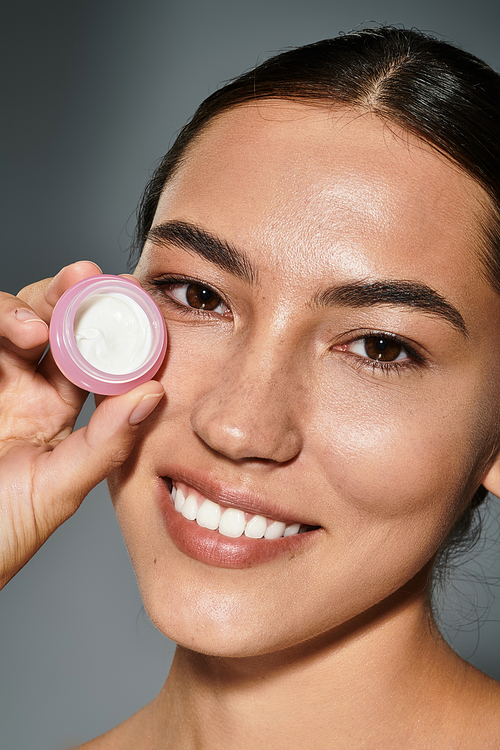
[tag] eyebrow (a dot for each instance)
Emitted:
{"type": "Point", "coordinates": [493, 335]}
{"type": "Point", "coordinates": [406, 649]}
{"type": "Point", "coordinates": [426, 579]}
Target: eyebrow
{"type": "Point", "coordinates": [395, 293]}
{"type": "Point", "coordinates": [194, 239]}
{"type": "Point", "coordinates": [357, 294]}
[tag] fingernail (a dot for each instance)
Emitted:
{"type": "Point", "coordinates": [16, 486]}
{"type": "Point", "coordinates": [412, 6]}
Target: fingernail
{"type": "Point", "coordinates": [28, 316]}
{"type": "Point", "coordinates": [54, 280]}
{"type": "Point", "coordinates": [144, 407]}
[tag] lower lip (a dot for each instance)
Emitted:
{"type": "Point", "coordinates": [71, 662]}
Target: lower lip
{"type": "Point", "coordinates": [213, 548]}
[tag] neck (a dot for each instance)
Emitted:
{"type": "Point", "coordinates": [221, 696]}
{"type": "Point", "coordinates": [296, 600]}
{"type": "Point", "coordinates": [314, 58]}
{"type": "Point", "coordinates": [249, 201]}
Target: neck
{"type": "Point", "coordinates": [377, 677]}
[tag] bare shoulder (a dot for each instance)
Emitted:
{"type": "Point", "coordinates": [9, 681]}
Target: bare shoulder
{"type": "Point", "coordinates": [482, 712]}
{"type": "Point", "coordinates": [132, 734]}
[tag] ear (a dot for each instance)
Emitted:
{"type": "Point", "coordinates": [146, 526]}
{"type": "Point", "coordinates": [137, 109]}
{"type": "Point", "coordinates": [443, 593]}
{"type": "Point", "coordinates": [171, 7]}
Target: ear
{"type": "Point", "coordinates": [492, 479]}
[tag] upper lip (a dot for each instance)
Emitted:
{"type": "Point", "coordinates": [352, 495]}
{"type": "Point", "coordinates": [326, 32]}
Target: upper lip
{"type": "Point", "coordinates": [241, 498]}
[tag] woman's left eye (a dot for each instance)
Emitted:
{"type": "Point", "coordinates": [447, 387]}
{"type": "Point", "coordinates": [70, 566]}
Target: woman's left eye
{"type": "Point", "coordinates": [379, 349]}
{"type": "Point", "coordinates": [383, 352]}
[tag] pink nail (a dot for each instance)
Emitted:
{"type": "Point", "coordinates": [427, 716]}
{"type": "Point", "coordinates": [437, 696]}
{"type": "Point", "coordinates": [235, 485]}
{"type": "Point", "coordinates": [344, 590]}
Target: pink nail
{"type": "Point", "coordinates": [144, 407]}
{"type": "Point", "coordinates": [28, 316]}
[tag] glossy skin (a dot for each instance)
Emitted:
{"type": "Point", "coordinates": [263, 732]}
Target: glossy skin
{"type": "Point", "coordinates": [273, 404]}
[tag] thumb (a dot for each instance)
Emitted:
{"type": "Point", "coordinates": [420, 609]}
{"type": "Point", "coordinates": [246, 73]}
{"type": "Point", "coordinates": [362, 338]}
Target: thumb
{"type": "Point", "coordinates": [91, 453]}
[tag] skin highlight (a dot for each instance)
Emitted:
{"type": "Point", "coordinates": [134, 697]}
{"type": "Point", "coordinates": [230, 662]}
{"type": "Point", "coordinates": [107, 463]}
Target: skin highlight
{"type": "Point", "coordinates": [272, 397]}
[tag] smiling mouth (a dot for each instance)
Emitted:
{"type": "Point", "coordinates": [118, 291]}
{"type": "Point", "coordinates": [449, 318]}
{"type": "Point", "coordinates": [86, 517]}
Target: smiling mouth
{"type": "Point", "coordinates": [228, 521]}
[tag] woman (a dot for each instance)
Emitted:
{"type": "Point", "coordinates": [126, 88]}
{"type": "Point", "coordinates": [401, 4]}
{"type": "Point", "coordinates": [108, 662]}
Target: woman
{"type": "Point", "coordinates": [322, 240]}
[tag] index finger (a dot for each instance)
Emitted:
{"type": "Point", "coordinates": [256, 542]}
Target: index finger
{"type": "Point", "coordinates": [43, 295]}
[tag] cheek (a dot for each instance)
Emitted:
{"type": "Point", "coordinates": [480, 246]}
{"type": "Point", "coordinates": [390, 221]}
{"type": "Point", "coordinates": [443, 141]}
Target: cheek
{"type": "Point", "coordinates": [387, 460]}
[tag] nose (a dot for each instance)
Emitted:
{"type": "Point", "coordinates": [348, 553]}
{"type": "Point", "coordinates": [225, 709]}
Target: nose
{"type": "Point", "coordinates": [251, 412]}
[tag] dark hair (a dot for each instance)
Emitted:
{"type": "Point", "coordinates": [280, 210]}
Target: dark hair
{"type": "Point", "coordinates": [434, 90]}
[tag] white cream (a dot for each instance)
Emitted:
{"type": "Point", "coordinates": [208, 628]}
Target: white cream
{"type": "Point", "coordinates": [113, 333]}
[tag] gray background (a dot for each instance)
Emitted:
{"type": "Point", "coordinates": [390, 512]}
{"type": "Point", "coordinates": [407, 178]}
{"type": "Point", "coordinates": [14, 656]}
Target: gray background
{"type": "Point", "coordinates": [94, 93]}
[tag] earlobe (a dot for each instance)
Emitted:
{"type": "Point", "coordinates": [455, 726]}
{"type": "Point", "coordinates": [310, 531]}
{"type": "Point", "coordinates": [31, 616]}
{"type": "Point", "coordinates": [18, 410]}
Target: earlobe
{"type": "Point", "coordinates": [492, 479]}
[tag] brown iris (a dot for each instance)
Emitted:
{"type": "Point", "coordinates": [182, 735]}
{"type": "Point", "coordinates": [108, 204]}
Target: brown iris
{"type": "Point", "coordinates": [382, 349]}
{"type": "Point", "coordinates": [202, 298]}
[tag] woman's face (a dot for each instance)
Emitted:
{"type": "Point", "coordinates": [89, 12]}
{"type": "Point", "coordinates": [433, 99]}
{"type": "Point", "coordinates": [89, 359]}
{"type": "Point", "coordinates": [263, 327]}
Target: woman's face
{"type": "Point", "coordinates": [333, 363]}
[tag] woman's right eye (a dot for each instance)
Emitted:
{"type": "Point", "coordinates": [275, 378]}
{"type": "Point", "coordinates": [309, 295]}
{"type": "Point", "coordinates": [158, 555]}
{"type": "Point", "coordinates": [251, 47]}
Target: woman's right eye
{"type": "Point", "coordinates": [197, 297]}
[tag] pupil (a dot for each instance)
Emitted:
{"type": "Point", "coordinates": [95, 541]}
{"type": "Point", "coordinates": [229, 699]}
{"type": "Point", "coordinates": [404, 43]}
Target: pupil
{"type": "Point", "coordinates": [202, 298]}
{"type": "Point", "coordinates": [384, 350]}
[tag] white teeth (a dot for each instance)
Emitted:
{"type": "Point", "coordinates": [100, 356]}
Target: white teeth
{"type": "Point", "coordinates": [275, 530]}
{"type": "Point", "coordinates": [209, 515]}
{"type": "Point", "coordinates": [229, 521]}
{"type": "Point", "coordinates": [190, 508]}
{"type": "Point", "coordinates": [232, 523]}
{"type": "Point", "coordinates": [256, 527]}
{"type": "Point", "coordinates": [179, 499]}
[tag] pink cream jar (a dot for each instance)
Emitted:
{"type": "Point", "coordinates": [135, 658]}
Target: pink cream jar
{"type": "Point", "coordinates": [107, 335]}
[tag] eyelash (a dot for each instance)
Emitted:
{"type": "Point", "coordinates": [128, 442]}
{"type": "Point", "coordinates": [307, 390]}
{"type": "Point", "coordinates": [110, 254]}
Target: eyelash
{"type": "Point", "coordinates": [413, 361]}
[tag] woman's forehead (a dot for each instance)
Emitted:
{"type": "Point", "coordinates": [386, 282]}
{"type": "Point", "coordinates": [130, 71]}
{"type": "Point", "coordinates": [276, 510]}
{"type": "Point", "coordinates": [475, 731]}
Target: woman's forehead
{"type": "Point", "coordinates": [313, 180]}
{"type": "Point", "coordinates": [301, 138]}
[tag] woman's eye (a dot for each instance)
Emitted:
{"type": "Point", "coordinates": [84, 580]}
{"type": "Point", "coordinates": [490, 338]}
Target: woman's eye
{"type": "Point", "coordinates": [379, 349]}
{"type": "Point", "coordinates": [198, 297]}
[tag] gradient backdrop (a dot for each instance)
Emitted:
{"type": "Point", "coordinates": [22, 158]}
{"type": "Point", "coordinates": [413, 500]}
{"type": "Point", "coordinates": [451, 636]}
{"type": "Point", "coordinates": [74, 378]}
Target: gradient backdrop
{"type": "Point", "coordinates": [95, 91]}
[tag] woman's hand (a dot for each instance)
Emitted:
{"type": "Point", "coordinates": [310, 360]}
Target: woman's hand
{"type": "Point", "coordinates": [46, 469]}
